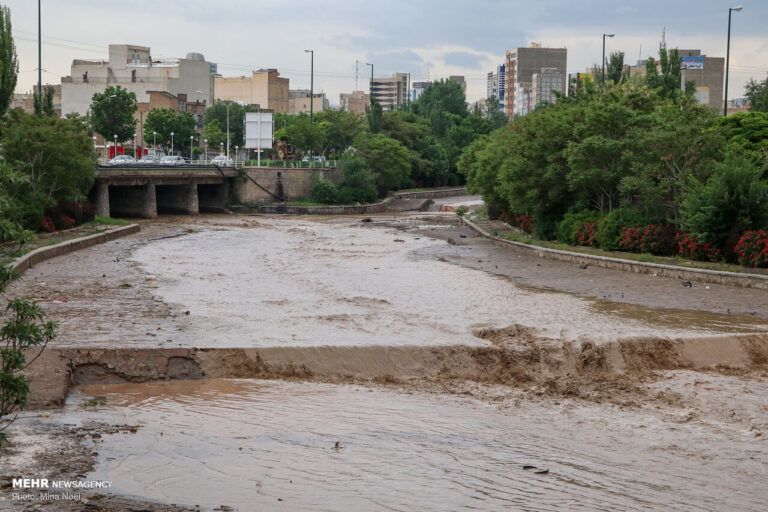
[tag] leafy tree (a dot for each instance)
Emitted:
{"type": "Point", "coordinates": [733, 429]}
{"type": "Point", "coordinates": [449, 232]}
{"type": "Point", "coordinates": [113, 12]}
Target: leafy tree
{"type": "Point", "coordinates": [47, 104]}
{"type": "Point", "coordinates": [9, 66]}
{"type": "Point", "coordinates": [667, 83]}
{"type": "Point", "coordinates": [112, 113]}
{"type": "Point", "coordinates": [614, 68]}
{"type": "Point", "coordinates": [165, 121]}
{"type": "Point", "coordinates": [54, 155]}
{"type": "Point", "coordinates": [324, 191]}
{"type": "Point", "coordinates": [374, 115]}
{"type": "Point", "coordinates": [357, 184]}
{"type": "Point", "coordinates": [757, 94]}
{"type": "Point", "coordinates": [218, 111]}
{"type": "Point", "coordinates": [444, 96]}
{"type": "Point", "coordinates": [732, 200]}
{"type": "Point", "coordinates": [302, 133]}
{"type": "Point", "coordinates": [341, 128]}
{"type": "Point", "coordinates": [493, 114]}
{"type": "Point", "coordinates": [747, 129]}
{"type": "Point", "coordinates": [214, 134]}
{"type": "Point", "coordinates": [387, 159]}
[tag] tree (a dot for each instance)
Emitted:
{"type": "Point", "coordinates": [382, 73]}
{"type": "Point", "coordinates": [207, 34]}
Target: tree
{"type": "Point", "coordinates": [614, 69]}
{"type": "Point", "coordinates": [47, 104]}
{"type": "Point", "coordinates": [667, 83]}
{"type": "Point", "coordinates": [374, 114]}
{"type": "Point", "coordinates": [302, 133]}
{"type": "Point", "coordinates": [112, 113]}
{"type": "Point", "coordinates": [357, 184]}
{"type": "Point", "coordinates": [165, 121]}
{"type": "Point", "coordinates": [9, 66]}
{"type": "Point", "coordinates": [387, 159]}
{"type": "Point", "coordinates": [214, 134]}
{"type": "Point", "coordinates": [218, 112]}
{"type": "Point", "coordinates": [54, 155]}
{"type": "Point", "coordinates": [757, 94]}
{"type": "Point", "coordinates": [443, 96]}
{"type": "Point", "coordinates": [341, 128]}
{"type": "Point", "coordinates": [493, 114]}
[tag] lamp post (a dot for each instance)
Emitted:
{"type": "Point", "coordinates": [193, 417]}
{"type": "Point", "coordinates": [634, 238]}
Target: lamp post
{"type": "Point", "coordinates": [191, 144]}
{"type": "Point", "coordinates": [229, 103]}
{"type": "Point", "coordinates": [728, 58]}
{"type": "Point", "coordinates": [371, 84]}
{"type": "Point", "coordinates": [154, 142]}
{"type": "Point", "coordinates": [115, 146]}
{"type": "Point", "coordinates": [311, 83]}
{"type": "Point", "coordinates": [221, 144]}
{"type": "Point", "coordinates": [94, 147]}
{"type": "Point", "coordinates": [237, 149]}
{"type": "Point", "coordinates": [135, 149]}
{"type": "Point", "coordinates": [171, 143]}
{"type": "Point", "coordinates": [205, 155]}
{"type": "Point", "coordinates": [604, 36]}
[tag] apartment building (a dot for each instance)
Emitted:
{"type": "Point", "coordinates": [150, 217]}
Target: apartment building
{"type": "Point", "coordinates": [264, 88]}
{"type": "Point", "coordinates": [356, 101]}
{"type": "Point", "coordinates": [390, 92]}
{"type": "Point", "coordinates": [496, 85]}
{"type": "Point", "coordinates": [133, 67]}
{"type": "Point", "coordinates": [543, 85]}
{"type": "Point", "coordinates": [298, 101]}
{"type": "Point", "coordinates": [417, 88]}
{"type": "Point", "coordinates": [520, 66]}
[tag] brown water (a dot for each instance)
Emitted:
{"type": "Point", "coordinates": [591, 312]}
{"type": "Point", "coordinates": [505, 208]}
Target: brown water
{"type": "Point", "coordinates": [249, 444]}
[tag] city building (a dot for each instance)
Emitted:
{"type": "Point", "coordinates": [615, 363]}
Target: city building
{"type": "Point", "coordinates": [459, 79]}
{"type": "Point", "coordinates": [132, 67]}
{"type": "Point", "coordinates": [417, 88]}
{"type": "Point", "coordinates": [492, 85]}
{"type": "Point", "coordinates": [26, 101]}
{"type": "Point", "coordinates": [390, 92]}
{"type": "Point", "coordinates": [738, 105]}
{"type": "Point", "coordinates": [356, 101]}
{"type": "Point", "coordinates": [543, 85]}
{"type": "Point", "coordinates": [520, 66]}
{"type": "Point", "coordinates": [264, 88]}
{"type": "Point", "coordinates": [298, 101]}
{"type": "Point", "coordinates": [496, 85]}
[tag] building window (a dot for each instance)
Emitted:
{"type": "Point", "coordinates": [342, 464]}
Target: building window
{"type": "Point", "coordinates": [133, 75]}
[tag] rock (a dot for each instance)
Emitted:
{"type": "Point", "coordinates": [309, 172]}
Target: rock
{"type": "Point", "coordinates": [367, 219]}
{"type": "Point", "coordinates": [687, 284]}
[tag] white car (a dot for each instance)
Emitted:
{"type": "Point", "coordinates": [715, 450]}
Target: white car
{"type": "Point", "coordinates": [149, 160]}
{"type": "Point", "coordinates": [172, 160]}
{"type": "Point", "coordinates": [222, 161]}
{"type": "Point", "coordinates": [122, 160]}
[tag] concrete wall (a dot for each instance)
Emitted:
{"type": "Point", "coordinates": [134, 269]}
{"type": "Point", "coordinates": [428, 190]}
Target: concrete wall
{"type": "Point", "coordinates": [289, 183]}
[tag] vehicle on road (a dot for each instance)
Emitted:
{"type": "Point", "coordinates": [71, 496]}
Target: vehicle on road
{"type": "Point", "coordinates": [172, 160]}
{"type": "Point", "coordinates": [149, 160]}
{"type": "Point", "coordinates": [122, 160]}
{"type": "Point", "coordinates": [222, 161]}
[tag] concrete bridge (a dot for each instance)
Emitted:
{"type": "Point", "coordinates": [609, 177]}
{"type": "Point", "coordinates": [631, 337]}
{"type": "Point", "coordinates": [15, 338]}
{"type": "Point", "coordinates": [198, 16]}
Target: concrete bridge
{"type": "Point", "coordinates": [143, 191]}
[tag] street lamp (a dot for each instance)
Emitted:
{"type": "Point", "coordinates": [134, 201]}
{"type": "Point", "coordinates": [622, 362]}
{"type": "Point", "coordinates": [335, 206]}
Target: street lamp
{"type": "Point", "coordinates": [115, 146]}
{"type": "Point", "coordinates": [311, 83]}
{"type": "Point", "coordinates": [205, 155]}
{"type": "Point", "coordinates": [371, 84]}
{"type": "Point", "coordinates": [728, 58]}
{"type": "Point", "coordinates": [221, 144]}
{"type": "Point", "coordinates": [604, 36]}
{"type": "Point", "coordinates": [135, 149]}
{"type": "Point", "coordinates": [154, 142]}
{"type": "Point", "coordinates": [237, 148]}
{"type": "Point", "coordinates": [171, 142]}
{"type": "Point", "coordinates": [94, 147]}
{"type": "Point", "coordinates": [191, 143]}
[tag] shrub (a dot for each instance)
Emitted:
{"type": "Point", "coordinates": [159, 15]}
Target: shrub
{"type": "Point", "coordinates": [48, 224]}
{"type": "Point", "coordinates": [652, 238]}
{"type": "Point", "coordinates": [461, 211]}
{"type": "Point", "coordinates": [323, 191]}
{"type": "Point", "coordinates": [611, 228]}
{"type": "Point", "coordinates": [689, 246]}
{"type": "Point", "coordinates": [522, 221]}
{"type": "Point", "coordinates": [572, 221]}
{"type": "Point", "coordinates": [752, 249]}
{"type": "Point", "coordinates": [586, 233]}
{"type": "Point", "coordinates": [357, 184]}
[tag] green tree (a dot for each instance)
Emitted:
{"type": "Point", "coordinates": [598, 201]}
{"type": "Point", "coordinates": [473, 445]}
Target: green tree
{"type": "Point", "coordinates": [214, 134]}
{"type": "Point", "coordinates": [747, 129]}
{"type": "Point", "coordinates": [444, 96]}
{"type": "Point", "coordinates": [302, 133]}
{"type": "Point", "coordinates": [614, 68]}
{"type": "Point", "coordinates": [218, 112]}
{"type": "Point", "coordinates": [493, 114]}
{"type": "Point", "coordinates": [667, 83]}
{"type": "Point", "coordinates": [757, 94]}
{"type": "Point", "coordinates": [112, 113]}
{"type": "Point", "coordinates": [47, 106]}
{"type": "Point", "coordinates": [54, 155]}
{"type": "Point", "coordinates": [357, 184]}
{"type": "Point", "coordinates": [374, 115]}
{"type": "Point", "coordinates": [165, 121]}
{"type": "Point", "coordinates": [387, 159]}
{"type": "Point", "coordinates": [9, 66]}
{"type": "Point", "coordinates": [341, 128]}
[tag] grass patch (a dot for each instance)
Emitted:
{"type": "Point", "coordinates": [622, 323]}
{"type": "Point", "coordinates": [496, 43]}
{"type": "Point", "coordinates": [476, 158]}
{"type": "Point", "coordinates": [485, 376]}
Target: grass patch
{"type": "Point", "coordinates": [109, 221]}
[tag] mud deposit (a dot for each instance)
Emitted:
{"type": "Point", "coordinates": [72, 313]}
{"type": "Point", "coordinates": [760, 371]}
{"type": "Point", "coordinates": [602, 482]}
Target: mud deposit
{"type": "Point", "coordinates": [258, 445]}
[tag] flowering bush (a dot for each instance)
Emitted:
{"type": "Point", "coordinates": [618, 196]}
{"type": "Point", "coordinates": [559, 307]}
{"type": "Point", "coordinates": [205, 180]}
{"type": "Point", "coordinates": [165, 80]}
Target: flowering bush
{"type": "Point", "coordinates": [653, 238]}
{"type": "Point", "coordinates": [752, 249]}
{"type": "Point", "coordinates": [689, 246]}
{"type": "Point", "coordinates": [523, 221]}
{"type": "Point", "coordinates": [48, 224]}
{"type": "Point", "coordinates": [586, 233]}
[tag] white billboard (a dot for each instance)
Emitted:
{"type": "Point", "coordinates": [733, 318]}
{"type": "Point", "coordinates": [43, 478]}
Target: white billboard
{"type": "Point", "coordinates": [695, 62]}
{"type": "Point", "coordinates": [258, 130]}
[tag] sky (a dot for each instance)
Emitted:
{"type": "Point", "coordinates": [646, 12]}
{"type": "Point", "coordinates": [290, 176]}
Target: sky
{"type": "Point", "coordinates": [426, 38]}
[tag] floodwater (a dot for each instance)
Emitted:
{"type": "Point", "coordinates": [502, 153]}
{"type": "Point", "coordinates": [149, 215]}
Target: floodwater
{"type": "Point", "coordinates": [308, 283]}
{"type": "Point", "coordinates": [266, 445]}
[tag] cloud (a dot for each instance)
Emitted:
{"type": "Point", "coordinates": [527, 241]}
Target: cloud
{"type": "Point", "coordinates": [464, 60]}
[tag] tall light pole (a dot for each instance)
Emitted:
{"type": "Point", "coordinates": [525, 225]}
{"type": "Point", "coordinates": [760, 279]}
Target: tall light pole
{"type": "Point", "coordinates": [205, 155]}
{"type": "Point", "coordinates": [154, 143]}
{"type": "Point", "coordinates": [191, 146]}
{"type": "Point", "coordinates": [115, 146]}
{"type": "Point", "coordinates": [135, 149]}
{"type": "Point", "coordinates": [171, 142]}
{"type": "Point", "coordinates": [39, 54]}
{"type": "Point", "coordinates": [728, 58]}
{"type": "Point", "coordinates": [229, 103]}
{"type": "Point", "coordinates": [370, 87]}
{"type": "Point", "coordinates": [604, 36]}
{"type": "Point", "coordinates": [311, 83]}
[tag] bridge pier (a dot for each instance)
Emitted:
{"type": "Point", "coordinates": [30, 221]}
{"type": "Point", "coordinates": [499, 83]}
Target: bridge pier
{"type": "Point", "coordinates": [133, 201]}
{"type": "Point", "coordinates": [178, 198]}
{"type": "Point", "coordinates": [101, 198]}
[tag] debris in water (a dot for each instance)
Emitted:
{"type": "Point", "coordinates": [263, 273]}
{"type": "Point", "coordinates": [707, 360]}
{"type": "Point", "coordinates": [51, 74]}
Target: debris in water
{"type": "Point", "coordinates": [338, 446]}
{"type": "Point", "coordinates": [583, 266]}
{"type": "Point", "coordinates": [367, 219]}
{"type": "Point", "coordinates": [125, 285]}
{"type": "Point", "coordinates": [528, 466]}
{"type": "Point", "coordinates": [542, 472]}
{"type": "Point", "coordinates": [687, 284]}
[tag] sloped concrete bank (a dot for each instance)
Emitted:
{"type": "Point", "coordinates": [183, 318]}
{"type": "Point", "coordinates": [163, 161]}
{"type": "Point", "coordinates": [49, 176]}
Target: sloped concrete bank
{"type": "Point", "coordinates": [690, 274]}
{"type": "Point", "coordinates": [515, 356]}
{"type": "Point", "coordinates": [45, 253]}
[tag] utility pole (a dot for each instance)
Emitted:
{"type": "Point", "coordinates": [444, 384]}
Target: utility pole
{"type": "Point", "coordinates": [370, 87]}
{"type": "Point", "coordinates": [604, 36]}
{"type": "Point", "coordinates": [728, 58]}
{"type": "Point", "coordinates": [356, 76]}
{"type": "Point", "coordinates": [39, 54]}
{"type": "Point", "coordinates": [311, 84]}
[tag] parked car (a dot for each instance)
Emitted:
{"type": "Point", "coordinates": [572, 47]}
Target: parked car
{"type": "Point", "coordinates": [222, 161]}
{"type": "Point", "coordinates": [149, 160]}
{"type": "Point", "coordinates": [172, 160]}
{"type": "Point", "coordinates": [122, 160]}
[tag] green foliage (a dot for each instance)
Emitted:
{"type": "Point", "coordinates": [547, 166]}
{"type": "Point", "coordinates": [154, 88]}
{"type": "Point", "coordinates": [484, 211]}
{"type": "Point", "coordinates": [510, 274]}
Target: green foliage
{"type": "Point", "coordinates": [757, 94]}
{"type": "Point", "coordinates": [165, 121]}
{"type": "Point", "coordinates": [572, 221]}
{"type": "Point", "coordinates": [341, 128]}
{"type": "Point", "coordinates": [357, 184]}
{"type": "Point", "coordinates": [302, 133]}
{"type": "Point", "coordinates": [748, 130]}
{"type": "Point", "coordinates": [493, 114]}
{"type": "Point", "coordinates": [49, 160]}
{"type": "Point", "coordinates": [667, 83]}
{"type": "Point", "coordinates": [732, 200]}
{"type": "Point", "coordinates": [442, 97]}
{"type": "Point", "coordinates": [215, 134]}
{"type": "Point", "coordinates": [324, 191]}
{"type": "Point", "coordinates": [23, 330]}
{"type": "Point", "coordinates": [9, 66]}
{"type": "Point", "coordinates": [610, 228]}
{"type": "Point", "coordinates": [614, 68]}
{"type": "Point", "coordinates": [387, 159]}
{"type": "Point", "coordinates": [112, 116]}
{"type": "Point", "coordinates": [218, 112]}
{"type": "Point", "coordinates": [461, 211]}
{"type": "Point", "coordinates": [374, 116]}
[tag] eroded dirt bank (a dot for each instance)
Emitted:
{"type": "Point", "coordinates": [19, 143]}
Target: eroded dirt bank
{"type": "Point", "coordinates": [413, 304]}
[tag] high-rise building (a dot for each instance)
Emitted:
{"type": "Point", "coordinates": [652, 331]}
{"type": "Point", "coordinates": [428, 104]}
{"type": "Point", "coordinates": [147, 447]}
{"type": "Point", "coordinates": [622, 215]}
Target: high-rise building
{"type": "Point", "coordinates": [356, 101]}
{"type": "Point", "coordinates": [265, 88]}
{"type": "Point", "coordinates": [459, 79]}
{"type": "Point", "coordinates": [133, 67]}
{"type": "Point", "coordinates": [492, 86]}
{"type": "Point", "coordinates": [390, 92]}
{"type": "Point", "coordinates": [521, 64]}
{"type": "Point", "coordinates": [543, 85]}
{"type": "Point", "coordinates": [417, 88]}
{"type": "Point", "coordinates": [496, 84]}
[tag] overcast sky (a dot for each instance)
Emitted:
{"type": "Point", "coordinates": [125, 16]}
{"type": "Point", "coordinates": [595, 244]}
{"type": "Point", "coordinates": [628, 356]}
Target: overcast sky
{"type": "Point", "coordinates": [421, 37]}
